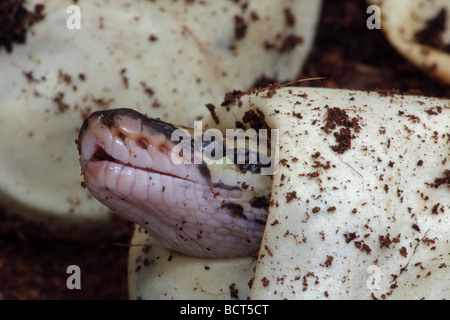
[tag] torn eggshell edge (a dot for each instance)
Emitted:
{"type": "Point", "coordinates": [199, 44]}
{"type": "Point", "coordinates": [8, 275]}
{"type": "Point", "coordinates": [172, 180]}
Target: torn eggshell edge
{"type": "Point", "coordinates": [360, 202]}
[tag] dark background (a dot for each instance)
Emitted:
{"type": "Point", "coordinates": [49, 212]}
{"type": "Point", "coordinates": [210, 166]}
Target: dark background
{"type": "Point", "coordinates": [345, 52]}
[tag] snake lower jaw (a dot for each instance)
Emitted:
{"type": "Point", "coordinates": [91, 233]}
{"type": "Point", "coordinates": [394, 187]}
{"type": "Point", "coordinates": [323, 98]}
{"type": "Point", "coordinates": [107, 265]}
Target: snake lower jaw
{"type": "Point", "coordinates": [184, 216]}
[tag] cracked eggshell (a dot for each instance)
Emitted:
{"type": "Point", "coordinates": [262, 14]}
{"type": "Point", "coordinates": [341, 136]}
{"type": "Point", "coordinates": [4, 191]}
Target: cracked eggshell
{"type": "Point", "coordinates": [167, 59]}
{"type": "Point", "coordinates": [360, 201]}
{"type": "Point", "coordinates": [402, 19]}
{"type": "Point", "coordinates": [355, 213]}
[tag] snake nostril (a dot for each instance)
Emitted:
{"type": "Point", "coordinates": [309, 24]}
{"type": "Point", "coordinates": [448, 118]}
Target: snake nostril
{"type": "Point", "coordinates": [101, 155]}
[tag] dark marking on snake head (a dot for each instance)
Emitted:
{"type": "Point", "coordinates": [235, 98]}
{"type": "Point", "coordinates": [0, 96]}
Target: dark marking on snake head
{"type": "Point", "coordinates": [225, 186]}
{"type": "Point", "coordinates": [216, 147]}
{"type": "Point", "coordinates": [204, 171]}
{"type": "Point", "coordinates": [104, 115]}
{"type": "Point", "coordinates": [160, 126]}
{"type": "Point", "coordinates": [242, 157]}
{"type": "Point", "coordinates": [236, 210]}
{"type": "Point", "coordinates": [259, 202]}
{"type": "Point", "coordinates": [83, 128]}
{"type": "Point", "coordinates": [110, 116]}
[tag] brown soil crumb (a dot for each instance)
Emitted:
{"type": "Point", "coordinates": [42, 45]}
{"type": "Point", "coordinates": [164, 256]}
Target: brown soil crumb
{"type": "Point", "coordinates": [15, 21]}
{"type": "Point", "coordinates": [338, 117]}
{"type": "Point", "coordinates": [148, 90]}
{"type": "Point", "coordinates": [435, 208]}
{"type": "Point", "coordinates": [255, 118]}
{"type": "Point", "coordinates": [231, 97]}
{"type": "Point", "coordinates": [328, 262]}
{"type": "Point", "coordinates": [343, 138]}
{"type": "Point", "coordinates": [442, 180]}
{"type": "Point", "coordinates": [153, 38]}
{"type": "Point", "coordinates": [240, 27]}
{"type": "Point", "coordinates": [289, 17]}
{"type": "Point", "coordinates": [363, 247]}
{"type": "Point", "coordinates": [290, 43]}
{"type": "Point", "coordinates": [265, 282]}
{"type": "Point", "coordinates": [350, 237]}
{"type": "Point", "coordinates": [386, 241]}
{"type": "Point", "coordinates": [261, 85]}
{"type": "Point", "coordinates": [403, 252]}
{"type": "Point", "coordinates": [58, 100]}
{"type": "Point", "coordinates": [124, 77]}
{"type": "Point", "coordinates": [291, 196]}
{"type": "Point", "coordinates": [211, 109]}
{"type": "Point", "coordinates": [234, 293]}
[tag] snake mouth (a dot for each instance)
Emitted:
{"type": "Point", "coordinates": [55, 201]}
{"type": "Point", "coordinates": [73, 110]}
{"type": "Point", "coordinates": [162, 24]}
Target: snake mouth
{"type": "Point", "coordinates": [100, 155]}
{"type": "Point", "coordinates": [125, 137]}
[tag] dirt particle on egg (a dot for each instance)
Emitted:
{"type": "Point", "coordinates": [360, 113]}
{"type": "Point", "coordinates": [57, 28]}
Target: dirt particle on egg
{"type": "Point", "coordinates": [291, 196]}
{"type": "Point", "coordinates": [265, 281]}
{"type": "Point", "coordinates": [289, 17]}
{"type": "Point", "coordinates": [148, 90]}
{"type": "Point", "coordinates": [338, 117]}
{"type": "Point", "coordinates": [442, 180]}
{"type": "Point", "coordinates": [123, 71]}
{"type": "Point", "coordinates": [64, 77]}
{"type": "Point", "coordinates": [153, 38]}
{"type": "Point", "coordinates": [234, 293]}
{"type": "Point", "coordinates": [403, 252]}
{"type": "Point", "coordinates": [240, 27]}
{"type": "Point", "coordinates": [290, 42]}
{"type": "Point", "coordinates": [328, 262]}
{"type": "Point", "coordinates": [211, 109]}
{"type": "Point", "coordinates": [350, 236]}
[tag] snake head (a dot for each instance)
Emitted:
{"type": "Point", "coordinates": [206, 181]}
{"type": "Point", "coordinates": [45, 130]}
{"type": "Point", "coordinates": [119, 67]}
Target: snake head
{"type": "Point", "coordinates": [206, 210]}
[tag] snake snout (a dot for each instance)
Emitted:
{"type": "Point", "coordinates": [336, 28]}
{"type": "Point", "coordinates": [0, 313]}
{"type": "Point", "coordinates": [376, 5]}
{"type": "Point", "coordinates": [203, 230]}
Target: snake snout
{"type": "Point", "coordinates": [130, 138]}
